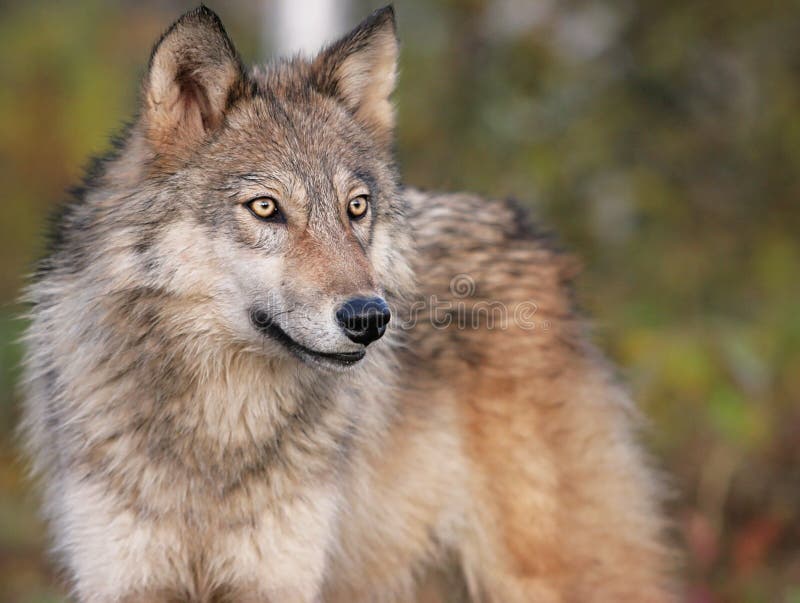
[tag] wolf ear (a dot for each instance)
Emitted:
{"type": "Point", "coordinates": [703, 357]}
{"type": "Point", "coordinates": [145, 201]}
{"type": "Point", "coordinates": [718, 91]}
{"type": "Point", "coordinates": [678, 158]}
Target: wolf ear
{"type": "Point", "coordinates": [360, 71]}
{"type": "Point", "coordinates": [194, 75]}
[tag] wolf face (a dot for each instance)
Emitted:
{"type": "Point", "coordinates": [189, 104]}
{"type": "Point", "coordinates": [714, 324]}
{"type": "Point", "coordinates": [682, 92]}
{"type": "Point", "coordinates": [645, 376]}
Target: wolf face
{"type": "Point", "coordinates": [283, 195]}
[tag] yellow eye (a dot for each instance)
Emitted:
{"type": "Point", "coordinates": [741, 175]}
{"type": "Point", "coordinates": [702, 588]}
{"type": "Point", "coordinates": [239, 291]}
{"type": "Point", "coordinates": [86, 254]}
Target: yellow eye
{"type": "Point", "coordinates": [263, 207]}
{"type": "Point", "coordinates": [358, 206]}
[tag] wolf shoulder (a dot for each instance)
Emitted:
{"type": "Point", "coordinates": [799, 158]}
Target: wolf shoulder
{"type": "Point", "coordinates": [472, 246]}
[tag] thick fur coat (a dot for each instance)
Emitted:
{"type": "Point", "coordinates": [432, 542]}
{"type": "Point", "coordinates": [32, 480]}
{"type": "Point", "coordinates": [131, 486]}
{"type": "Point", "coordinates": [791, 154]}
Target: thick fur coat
{"type": "Point", "coordinates": [203, 429]}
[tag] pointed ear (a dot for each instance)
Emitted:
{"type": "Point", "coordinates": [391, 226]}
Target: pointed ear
{"type": "Point", "coordinates": [194, 75]}
{"type": "Point", "coordinates": [360, 71]}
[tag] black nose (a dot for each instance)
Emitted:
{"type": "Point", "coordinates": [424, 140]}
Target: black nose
{"type": "Point", "coordinates": [364, 319]}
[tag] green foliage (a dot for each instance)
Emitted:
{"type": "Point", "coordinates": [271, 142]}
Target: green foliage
{"type": "Point", "coordinates": [661, 139]}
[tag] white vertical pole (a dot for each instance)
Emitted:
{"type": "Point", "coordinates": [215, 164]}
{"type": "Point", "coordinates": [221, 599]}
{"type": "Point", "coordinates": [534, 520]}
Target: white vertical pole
{"type": "Point", "coordinates": [291, 26]}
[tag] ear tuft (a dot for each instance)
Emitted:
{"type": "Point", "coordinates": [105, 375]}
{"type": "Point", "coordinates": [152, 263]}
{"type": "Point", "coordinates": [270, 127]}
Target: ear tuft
{"type": "Point", "coordinates": [194, 75]}
{"type": "Point", "coordinates": [360, 70]}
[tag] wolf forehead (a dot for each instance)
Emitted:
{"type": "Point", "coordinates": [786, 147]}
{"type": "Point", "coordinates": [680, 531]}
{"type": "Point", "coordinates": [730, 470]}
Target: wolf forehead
{"type": "Point", "coordinates": [297, 146]}
{"type": "Point", "coordinates": [295, 131]}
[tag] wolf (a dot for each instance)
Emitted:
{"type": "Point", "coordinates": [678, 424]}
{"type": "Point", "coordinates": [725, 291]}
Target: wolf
{"type": "Point", "coordinates": [249, 378]}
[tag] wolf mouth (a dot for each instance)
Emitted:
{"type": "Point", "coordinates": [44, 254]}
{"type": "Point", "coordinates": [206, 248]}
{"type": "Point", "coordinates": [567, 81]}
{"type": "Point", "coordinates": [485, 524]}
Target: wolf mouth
{"type": "Point", "coordinates": [266, 325]}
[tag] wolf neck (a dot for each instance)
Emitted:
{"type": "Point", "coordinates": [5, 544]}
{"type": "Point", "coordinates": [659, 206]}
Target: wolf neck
{"type": "Point", "coordinates": [219, 416]}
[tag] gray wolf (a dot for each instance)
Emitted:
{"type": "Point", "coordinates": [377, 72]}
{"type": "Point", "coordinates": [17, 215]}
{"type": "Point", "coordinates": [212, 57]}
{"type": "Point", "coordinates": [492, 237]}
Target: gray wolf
{"type": "Point", "coordinates": [241, 384]}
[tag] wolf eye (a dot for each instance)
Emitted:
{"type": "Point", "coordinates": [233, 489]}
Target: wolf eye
{"type": "Point", "coordinates": [263, 207]}
{"type": "Point", "coordinates": [358, 207]}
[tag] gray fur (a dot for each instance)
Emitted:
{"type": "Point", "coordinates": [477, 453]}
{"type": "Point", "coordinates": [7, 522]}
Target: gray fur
{"type": "Point", "coordinates": [187, 455]}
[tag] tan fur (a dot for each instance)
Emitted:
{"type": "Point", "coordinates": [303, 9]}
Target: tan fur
{"type": "Point", "coordinates": [365, 80]}
{"type": "Point", "coordinates": [480, 451]}
{"type": "Point", "coordinates": [178, 111]}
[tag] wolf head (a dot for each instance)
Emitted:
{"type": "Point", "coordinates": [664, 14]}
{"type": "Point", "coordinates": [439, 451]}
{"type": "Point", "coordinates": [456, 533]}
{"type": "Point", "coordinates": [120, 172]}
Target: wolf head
{"type": "Point", "coordinates": [265, 204]}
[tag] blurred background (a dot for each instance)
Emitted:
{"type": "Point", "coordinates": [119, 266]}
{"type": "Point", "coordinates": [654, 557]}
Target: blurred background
{"type": "Point", "coordinates": [661, 139]}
